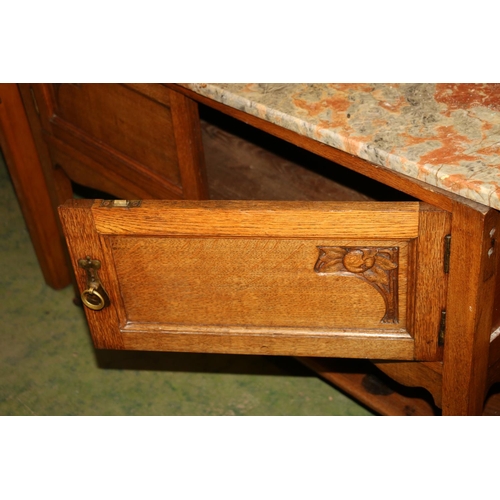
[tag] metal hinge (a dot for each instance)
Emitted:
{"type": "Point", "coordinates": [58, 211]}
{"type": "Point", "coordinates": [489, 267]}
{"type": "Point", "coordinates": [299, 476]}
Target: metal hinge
{"type": "Point", "coordinates": [447, 250]}
{"type": "Point", "coordinates": [442, 328]}
{"type": "Point", "coordinates": [121, 203]}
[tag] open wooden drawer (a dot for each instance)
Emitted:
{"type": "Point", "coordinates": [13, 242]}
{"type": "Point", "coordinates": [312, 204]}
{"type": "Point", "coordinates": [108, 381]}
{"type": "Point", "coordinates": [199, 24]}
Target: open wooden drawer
{"type": "Point", "coordinates": [332, 279]}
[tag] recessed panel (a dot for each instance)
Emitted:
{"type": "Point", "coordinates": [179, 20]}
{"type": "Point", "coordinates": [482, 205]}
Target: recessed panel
{"type": "Point", "coordinates": [116, 117]}
{"type": "Point", "coordinates": [278, 283]}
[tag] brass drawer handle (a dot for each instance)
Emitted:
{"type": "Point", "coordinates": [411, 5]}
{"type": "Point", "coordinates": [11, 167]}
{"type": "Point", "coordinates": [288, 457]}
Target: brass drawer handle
{"type": "Point", "coordinates": [93, 299]}
{"type": "Point", "coordinates": [94, 296]}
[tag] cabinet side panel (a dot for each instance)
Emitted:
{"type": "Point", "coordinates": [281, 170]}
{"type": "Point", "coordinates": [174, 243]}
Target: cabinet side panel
{"type": "Point", "coordinates": [470, 306]}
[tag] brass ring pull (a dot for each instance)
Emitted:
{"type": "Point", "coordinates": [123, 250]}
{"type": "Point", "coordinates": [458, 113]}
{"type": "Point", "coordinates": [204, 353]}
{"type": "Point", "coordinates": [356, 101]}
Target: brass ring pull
{"type": "Point", "coordinates": [89, 297]}
{"type": "Point", "coordinates": [94, 296]}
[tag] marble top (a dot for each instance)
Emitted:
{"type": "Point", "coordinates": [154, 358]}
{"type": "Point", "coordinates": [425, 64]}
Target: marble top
{"type": "Point", "coordinates": [447, 135]}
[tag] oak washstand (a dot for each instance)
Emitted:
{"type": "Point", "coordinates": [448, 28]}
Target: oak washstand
{"type": "Point", "coordinates": [411, 285]}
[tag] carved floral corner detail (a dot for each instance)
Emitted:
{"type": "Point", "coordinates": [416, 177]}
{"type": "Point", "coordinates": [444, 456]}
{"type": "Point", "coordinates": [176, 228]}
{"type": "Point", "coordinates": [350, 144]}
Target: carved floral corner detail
{"type": "Point", "coordinates": [377, 266]}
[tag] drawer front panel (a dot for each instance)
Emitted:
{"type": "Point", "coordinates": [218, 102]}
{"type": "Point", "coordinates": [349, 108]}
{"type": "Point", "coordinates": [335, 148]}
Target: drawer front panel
{"type": "Point", "coordinates": [255, 277]}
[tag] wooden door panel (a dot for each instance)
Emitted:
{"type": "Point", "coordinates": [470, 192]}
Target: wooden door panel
{"type": "Point", "coordinates": [287, 278]}
{"type": "Point", "coordinates": [108, 113]}
{"type": "Point", "coordinates": [145, 134]}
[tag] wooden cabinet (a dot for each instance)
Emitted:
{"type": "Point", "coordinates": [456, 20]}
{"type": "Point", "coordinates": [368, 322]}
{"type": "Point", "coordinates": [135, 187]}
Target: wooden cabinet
{"type": "Point", "coordinates": [350, 279]}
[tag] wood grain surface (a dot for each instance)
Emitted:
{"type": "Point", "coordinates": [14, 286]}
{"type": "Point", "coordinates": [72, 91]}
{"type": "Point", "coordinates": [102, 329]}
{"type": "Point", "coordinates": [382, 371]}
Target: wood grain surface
{"type": "Point", "coordinates": [261, 219]}
{"type": "Point", "coordinates": [245, 281]}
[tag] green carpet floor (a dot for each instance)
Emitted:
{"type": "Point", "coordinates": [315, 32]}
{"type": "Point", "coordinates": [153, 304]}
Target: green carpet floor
{"type": "Point", "coordinates": [49, 367]}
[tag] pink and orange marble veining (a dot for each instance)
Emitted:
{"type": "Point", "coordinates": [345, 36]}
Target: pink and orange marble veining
{"type": "Point", "coordinates": [447, 135]}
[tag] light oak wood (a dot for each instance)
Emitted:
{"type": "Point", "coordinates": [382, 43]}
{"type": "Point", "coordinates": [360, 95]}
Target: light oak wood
{"type": "Point", "coordinates": [471, 291]}
{"type": "Point", "coordinates": [67, 150]}
{"type": "Point", "coordinates": [360, 346]}
{"type": "Point", "coordinates": [79, 221]}
{"type": "Point", "coordinates": [431, 283]}
{"type": "Point", "coordinates": [261, 219]}
{"type": "Point", "coordinates": [245, 281]}
{"type": "Point", "coordinates": [289, 278]}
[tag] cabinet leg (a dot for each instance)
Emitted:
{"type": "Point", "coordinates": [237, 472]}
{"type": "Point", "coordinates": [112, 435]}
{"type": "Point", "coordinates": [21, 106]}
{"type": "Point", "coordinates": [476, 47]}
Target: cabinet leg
{"type": "Point", "coordinates": [31, 188]}
{"type": "Point", "coordinates": [471, 291]}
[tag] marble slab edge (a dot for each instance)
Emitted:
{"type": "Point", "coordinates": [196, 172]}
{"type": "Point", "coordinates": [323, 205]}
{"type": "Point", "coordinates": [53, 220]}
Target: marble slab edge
{"type": "Point", "coordinates": [446, 135]}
